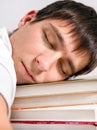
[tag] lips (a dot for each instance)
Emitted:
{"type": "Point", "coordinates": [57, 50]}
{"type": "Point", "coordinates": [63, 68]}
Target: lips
{"type": "Point", "coordinates": [28, 73]}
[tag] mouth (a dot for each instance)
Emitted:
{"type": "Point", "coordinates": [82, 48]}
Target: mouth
{"type": "Point", "coordinates": [29, 75]}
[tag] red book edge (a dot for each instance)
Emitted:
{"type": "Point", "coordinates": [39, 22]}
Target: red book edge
{"type": "Point", "coordinates": [55, 122]}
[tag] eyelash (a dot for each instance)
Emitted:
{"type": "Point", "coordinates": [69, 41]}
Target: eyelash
{"type": "Point", "coordinates": [48, 42]}
{"type": "Point", "coordinates": [61, 69]}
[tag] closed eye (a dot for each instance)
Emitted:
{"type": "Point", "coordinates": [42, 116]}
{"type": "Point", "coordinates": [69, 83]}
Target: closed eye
{"type": "Point", "coordinates": [61, 68]}
{"type": "Point", "coordinates": [48, 42]}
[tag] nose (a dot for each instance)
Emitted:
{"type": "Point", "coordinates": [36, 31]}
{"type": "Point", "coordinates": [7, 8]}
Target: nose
{"type": "Point", "coordinates": [45, 61]}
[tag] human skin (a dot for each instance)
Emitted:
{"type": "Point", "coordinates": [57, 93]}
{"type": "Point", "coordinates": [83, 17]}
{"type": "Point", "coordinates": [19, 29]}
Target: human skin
{"type": "Point", "coordinates": [40, 54]}
{"type": "Point", "coordinates": [4, 121]}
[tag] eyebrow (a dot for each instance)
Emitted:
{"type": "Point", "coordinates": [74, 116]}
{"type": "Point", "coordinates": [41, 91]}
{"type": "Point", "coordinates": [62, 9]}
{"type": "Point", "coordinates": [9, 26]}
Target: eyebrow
{"type": "Point", "coordinates": [57, 33]}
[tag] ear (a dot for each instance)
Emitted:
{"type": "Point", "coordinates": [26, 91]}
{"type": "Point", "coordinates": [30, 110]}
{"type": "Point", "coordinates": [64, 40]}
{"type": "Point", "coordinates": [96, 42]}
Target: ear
{"type": "Point", "coordinates": [30, 16]}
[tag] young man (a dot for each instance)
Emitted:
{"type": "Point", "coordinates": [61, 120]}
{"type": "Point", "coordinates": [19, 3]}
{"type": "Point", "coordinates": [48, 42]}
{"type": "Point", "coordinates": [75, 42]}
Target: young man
{"type": "Point", "coordinates": [49, 45]}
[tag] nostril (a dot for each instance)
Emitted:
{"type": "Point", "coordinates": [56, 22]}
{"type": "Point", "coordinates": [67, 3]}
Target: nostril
{"type": "Point", "coordinates": [36, 60]}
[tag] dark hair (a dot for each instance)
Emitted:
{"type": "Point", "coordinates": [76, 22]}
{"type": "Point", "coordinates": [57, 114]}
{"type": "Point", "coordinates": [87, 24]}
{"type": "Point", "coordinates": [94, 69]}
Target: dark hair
{"type": "Point", "coordinates": [84, 19]}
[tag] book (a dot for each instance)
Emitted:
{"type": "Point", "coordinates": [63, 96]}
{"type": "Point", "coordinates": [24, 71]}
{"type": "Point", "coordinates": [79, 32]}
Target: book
{"type": "Point", "coordinates": [84, 113]}
{"type": "Point", "coordinates": [65, 93]}
{"type": "Point", "coordinates": [56, 106]}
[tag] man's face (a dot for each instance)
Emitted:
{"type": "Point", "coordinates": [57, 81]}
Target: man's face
{"type": "Point", "coordinates": [44, 52]}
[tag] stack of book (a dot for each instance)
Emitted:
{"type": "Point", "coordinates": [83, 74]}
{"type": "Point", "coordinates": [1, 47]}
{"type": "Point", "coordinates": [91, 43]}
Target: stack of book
{"type": "Point", "coordinates": [66, 105]}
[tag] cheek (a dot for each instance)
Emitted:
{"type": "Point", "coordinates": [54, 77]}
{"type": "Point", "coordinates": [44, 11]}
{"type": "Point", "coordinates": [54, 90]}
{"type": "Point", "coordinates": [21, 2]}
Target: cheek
{"type": "Point", "coordinates": [53, 75]}
{"type": "Point", "coordinates": [33, 47]}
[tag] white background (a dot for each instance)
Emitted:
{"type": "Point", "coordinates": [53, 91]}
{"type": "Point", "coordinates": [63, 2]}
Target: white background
{"type": "Point", "coordinates": [11, 11]}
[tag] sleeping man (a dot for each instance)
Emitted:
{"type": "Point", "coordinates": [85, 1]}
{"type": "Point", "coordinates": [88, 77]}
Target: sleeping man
{"type": "Point", "coordinates": [52, 44]}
